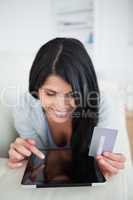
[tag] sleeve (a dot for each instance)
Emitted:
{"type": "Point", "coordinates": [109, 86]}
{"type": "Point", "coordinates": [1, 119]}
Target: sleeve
{"type": "Point", "coordinates": [24, 123]}
{"type": "Point", "coordinates": [112, 115]}
{"type": "Point", "coordinates": [108, 112]}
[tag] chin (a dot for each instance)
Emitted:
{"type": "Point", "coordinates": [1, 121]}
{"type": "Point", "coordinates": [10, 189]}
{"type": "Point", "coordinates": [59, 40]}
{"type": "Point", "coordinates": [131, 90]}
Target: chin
{"type": "Point", "coordinates": [59, 119]}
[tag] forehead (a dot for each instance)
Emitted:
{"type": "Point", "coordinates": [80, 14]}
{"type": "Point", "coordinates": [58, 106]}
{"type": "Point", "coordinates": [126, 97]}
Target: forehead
{"type": "Point", "coordinates": [57, 84]}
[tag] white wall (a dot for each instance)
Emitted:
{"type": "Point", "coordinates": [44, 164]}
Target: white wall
{"type": "Point", "coordinates": [114, 56]}
{"type": "Point", "coordinates": [26, 25]}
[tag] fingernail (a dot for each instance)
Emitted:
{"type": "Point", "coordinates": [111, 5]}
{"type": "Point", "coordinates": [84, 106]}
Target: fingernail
{"type": "Point", "coordinates": [31, 141]}
{"type": "Point", "coordinates": [28, 153]}
{"type": "Point", "coordinates": [99, 157]}
{"type": "Point", "coordinates": [42, 155]}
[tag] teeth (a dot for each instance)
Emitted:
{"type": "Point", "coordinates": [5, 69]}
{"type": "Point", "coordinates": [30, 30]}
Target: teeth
{"type": "Point", "coordinates": [61, 114]}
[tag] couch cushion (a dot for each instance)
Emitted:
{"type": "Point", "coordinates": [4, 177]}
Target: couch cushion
{"type": "Point", "coordinates": [7, 130]}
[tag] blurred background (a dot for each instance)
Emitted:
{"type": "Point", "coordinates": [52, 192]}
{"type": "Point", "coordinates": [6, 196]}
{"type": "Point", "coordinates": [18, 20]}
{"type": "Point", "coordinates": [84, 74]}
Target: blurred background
{"type": "Point", "coordinates": [104, 26]}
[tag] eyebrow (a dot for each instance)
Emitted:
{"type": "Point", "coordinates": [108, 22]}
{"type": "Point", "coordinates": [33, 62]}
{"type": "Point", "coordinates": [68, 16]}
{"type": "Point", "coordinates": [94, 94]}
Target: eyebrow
{"type": "Point", "coordinates": [50, 90]}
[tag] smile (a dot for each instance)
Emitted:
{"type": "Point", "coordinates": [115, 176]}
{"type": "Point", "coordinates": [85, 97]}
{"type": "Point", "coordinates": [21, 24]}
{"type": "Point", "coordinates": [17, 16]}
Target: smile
{"type": "Point", "coordinates": [61, 114]}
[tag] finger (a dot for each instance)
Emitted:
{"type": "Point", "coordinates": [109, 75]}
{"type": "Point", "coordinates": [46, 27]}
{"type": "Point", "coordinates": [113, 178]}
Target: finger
{"type": "Point", "coordinates": [22, 150]}
{"type": "Point", "coordinates": [116, 164]}
{"type": "Point", "coordinates": [14, 165]}
{"type": "Point", "coordinates": [31, 147]}
{"type": "Point", "coordinates": [31, 141]}
{"type": "Point", "coordinates": [107, 167]}
{"type": "Point", "coordinates": [24, 142]}
{"type": "Point", "coordinates": [115, 156]}
{"type": "Point", "coordinates": [105, 173]}
{"type": "Point", "coordinates": [14, 155]}
{"type": "Point", "coordinates": [98, 157]}
{"type": "Point", "coordinates": [36, 151]}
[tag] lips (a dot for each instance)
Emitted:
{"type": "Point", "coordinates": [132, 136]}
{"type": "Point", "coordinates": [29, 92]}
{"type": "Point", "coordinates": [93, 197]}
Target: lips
{"type": "Point", "coordinates": [61, 114]}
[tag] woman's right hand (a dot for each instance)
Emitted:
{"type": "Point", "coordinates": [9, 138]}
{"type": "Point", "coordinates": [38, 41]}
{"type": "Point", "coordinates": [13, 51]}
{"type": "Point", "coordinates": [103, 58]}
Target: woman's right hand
{"type": "Point", "coordinates": [20, 150]}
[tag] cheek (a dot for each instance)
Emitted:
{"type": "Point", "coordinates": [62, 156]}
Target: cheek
{"type": "Point", "coordinates": [72, 103]}
{"type": "Point", "coordinates": [45, 100]}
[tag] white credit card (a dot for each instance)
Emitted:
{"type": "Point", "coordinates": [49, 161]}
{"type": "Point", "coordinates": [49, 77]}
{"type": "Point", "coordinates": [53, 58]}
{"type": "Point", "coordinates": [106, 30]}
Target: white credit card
{"type": "Point", "coordinates": [103, 140]}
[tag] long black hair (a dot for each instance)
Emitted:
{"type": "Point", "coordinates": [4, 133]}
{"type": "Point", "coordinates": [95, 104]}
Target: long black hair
{"type": "Point", "coordinates": [68, 58]}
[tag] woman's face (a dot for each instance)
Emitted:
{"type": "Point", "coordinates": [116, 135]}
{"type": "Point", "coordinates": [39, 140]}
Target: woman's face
{"type": "Point", "coordinates": [57, 99]}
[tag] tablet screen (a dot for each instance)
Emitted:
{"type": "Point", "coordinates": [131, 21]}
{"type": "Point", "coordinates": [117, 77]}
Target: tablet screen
{"type": "Point", "coordinates": [59, 168]}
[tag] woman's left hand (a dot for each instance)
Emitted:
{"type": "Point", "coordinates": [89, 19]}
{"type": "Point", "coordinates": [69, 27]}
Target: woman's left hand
{"type": "Point", "coordinates": [110, 163]}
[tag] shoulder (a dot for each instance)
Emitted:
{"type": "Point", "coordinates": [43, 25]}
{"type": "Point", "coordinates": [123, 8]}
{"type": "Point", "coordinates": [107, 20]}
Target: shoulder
{"type": "Point", "coordinates": [25, 105]}
{"type": "Point", "coordinates": [108, 110]}
{"type": "Point", "coordinates": [28, 112]}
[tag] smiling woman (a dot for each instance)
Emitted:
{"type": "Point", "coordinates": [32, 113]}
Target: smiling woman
{"type": "Point", "coordinates": [56, 98]}
{"type": "Point", "coordinates": [64, 87]}
{"type": "Point", "coordinates": [63, 66]}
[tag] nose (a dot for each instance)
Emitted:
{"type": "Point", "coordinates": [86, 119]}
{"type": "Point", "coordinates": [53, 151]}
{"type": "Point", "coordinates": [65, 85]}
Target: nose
{"type": "Point", "coordinates": [62, 102]}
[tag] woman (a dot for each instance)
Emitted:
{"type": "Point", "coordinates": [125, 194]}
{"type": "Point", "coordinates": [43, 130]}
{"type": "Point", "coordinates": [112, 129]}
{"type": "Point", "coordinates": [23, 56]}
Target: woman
{"type": "Point", "coordinates": [63, 107]}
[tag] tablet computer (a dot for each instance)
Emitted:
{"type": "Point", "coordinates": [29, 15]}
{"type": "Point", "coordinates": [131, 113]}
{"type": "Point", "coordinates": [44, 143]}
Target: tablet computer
{"type": "Point", "coordinates": [61, 169]}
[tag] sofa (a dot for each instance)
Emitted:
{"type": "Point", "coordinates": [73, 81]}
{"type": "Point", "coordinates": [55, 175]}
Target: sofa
{"type": "Point", "coordinates": [10, 179]}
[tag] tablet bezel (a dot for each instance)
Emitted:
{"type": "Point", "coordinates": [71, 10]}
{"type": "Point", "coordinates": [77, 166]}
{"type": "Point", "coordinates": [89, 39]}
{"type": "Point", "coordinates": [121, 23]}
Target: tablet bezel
{"type": "Point", "coordinates": [47, 185]}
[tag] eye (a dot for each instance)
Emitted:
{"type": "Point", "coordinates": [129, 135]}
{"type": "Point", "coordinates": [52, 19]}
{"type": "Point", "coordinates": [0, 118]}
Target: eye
{"type": "Point", "coordinates": [71, 95]}
{"type": "Point", "coordinates": [50, 93]}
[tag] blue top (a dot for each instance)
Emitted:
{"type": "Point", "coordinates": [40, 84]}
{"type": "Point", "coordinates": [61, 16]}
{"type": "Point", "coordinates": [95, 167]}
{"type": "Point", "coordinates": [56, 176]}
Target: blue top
{"type": "Point", "coordinates": [30, 120]}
